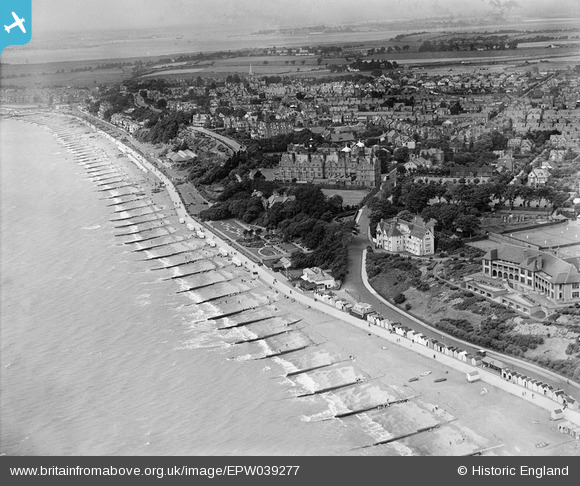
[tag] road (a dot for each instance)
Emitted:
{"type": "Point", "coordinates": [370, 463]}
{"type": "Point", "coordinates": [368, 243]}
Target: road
{"type": "Point", "coordinates": [235, 146]}
{"type": "Point", "coordinates": [355, 286]}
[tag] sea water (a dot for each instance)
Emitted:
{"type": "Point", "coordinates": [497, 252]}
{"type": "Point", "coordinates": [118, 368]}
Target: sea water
{"type": "Point", "coordinates": [94, 354]}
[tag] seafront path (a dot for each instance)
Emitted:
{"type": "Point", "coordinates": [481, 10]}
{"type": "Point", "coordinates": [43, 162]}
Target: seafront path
{"type": "Point", "coordinates": [280, 283]}
{"type": "Point", "coordinates": [358, 285]}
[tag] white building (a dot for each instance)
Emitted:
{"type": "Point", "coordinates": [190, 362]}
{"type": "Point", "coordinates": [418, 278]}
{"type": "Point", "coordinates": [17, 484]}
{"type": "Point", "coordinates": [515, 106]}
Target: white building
{"type": "Point", "coordinates": [397, 235]}
{"type": "Point", "coordinates": [319, 277]}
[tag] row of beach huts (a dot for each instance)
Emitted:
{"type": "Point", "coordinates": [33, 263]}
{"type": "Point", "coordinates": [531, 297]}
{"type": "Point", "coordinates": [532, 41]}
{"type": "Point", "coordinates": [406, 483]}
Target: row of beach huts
{"type": "Point", "coordinates": [366, 312]}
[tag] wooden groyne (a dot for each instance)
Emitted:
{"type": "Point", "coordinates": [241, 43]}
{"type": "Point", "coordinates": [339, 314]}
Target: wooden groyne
{"type": "Point", "coordinates": [260, 338]}
{"type": "Point", "coordinates": [124, 225]}
{"type": "Point", "coordinates": [409, 434]}
{"type": "Point", "coordinates": [282, 353]}
{"type": "Point", "coordinates": [330, 388]}
{"type": "Point", "coordinates": [313, 368]}
{"type": "Point", "coordinates": [252, 321]}
{"type": "Point", "coordinates": [373, 407]}
{"type": "Point", "coordinates": [126, 202]}
{"type": "Point", "coordinates": [114, 188]}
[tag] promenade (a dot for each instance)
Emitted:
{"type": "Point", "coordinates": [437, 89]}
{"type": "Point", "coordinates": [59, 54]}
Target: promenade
{"type": "Point", "coordinates": [280, 283]}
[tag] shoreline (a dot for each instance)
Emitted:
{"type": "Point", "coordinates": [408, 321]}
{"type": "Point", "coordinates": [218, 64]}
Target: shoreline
{"type": "Point", "coordinates": [342, 337]}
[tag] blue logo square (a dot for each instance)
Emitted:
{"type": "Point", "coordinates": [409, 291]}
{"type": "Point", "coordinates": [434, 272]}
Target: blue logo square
{"type": "Point", "coordinates": [15, 22]}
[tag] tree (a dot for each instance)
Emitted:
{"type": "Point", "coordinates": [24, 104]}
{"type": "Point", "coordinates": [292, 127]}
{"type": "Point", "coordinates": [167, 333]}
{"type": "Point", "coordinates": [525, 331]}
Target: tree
{"type": "Point", "coordinates": [401, 154]}
{"type": "Point", "coordinates": [510, 194]}
{"type": "Point", "coordinates": [399, 298]}
{"type": "Point", "coordinates": [467, 224]}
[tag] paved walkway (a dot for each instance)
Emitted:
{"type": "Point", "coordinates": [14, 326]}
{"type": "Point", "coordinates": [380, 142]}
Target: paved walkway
{"type": "Point", "coordinates": [358, 283]}
{"type": "Point", "coordinates": [358, 287]}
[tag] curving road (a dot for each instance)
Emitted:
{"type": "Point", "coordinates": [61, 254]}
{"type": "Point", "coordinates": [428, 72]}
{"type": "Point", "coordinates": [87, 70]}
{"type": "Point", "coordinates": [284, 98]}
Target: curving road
{"type": "Point", "coordinates": [231, 143]}
{"type": "Point", "coordinates": [356, 287]}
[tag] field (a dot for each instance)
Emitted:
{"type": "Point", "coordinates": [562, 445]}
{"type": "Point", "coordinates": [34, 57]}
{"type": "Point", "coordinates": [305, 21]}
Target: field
{"type": "Point", "coordinates": [31, 67]}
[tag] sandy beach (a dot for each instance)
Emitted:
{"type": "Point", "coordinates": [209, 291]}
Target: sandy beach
{"type": "Point", "coordinates": [255, 321]}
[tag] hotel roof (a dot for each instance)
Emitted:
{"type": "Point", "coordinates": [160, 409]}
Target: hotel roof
{"type": "Point", "coordinates": [560, 271]}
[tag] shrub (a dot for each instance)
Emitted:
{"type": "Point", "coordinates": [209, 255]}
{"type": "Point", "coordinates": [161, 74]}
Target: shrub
{"type": "Point", "coordinates": [399, 298]}
{"type": "Point", "coordinates": [408, 306]}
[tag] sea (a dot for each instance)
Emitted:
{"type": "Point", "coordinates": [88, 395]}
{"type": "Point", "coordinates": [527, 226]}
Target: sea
{"type": "Point", "coordinates": [95, 346]}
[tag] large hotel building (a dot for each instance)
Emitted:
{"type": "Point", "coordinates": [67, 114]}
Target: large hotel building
{"type": "Point", "coordinates": [350, 166]}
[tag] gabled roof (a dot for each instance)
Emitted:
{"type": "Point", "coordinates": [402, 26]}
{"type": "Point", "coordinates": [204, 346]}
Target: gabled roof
{"type": "Point", "coordinates": [560, 271]}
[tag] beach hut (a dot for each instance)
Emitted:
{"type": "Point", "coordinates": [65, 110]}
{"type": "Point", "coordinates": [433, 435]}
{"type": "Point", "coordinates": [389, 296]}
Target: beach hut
{"type": "Point", "coordinates": [559, 397]}
{"type": "Point", "coordinates": [422, 340]}
{"type": "Point", "coordinates": [556, 414]}
{"type": "Point", "coordinates": [462, 356]}
{"type": "Point", "coordinates": [410, 333]}
{"type": "Point", "coordinates": [472, 376]}
{"type": "Point", "coordinates": [543, 388]}
{"type": "Point", "coordinates": [570, 429]}
{"type": "Point", "coordinates": [493, 364]}
{"type": "Point", "coordinates": [564, 427]}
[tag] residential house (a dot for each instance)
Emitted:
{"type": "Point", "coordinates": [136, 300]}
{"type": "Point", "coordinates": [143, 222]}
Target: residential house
{"type": "Point", "coordinates": [538, 177]}
{"type": "Point", "coordinates": [397, 235]}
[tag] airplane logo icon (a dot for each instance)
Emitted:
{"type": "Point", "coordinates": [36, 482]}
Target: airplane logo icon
{"type": "Point", "coordinates": [17, 23]}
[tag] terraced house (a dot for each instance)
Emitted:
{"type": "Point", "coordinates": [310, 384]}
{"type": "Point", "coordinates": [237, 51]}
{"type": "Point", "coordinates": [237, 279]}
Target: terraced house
{"type": "Point", "coordinates": [533, 271]}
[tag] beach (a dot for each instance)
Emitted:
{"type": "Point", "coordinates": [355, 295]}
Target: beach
{"type": "Point", "coordinates": [242, 321]}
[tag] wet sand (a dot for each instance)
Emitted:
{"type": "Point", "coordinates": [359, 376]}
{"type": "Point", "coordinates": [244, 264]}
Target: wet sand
{"type": "Point", "coordinates": [411, 418]}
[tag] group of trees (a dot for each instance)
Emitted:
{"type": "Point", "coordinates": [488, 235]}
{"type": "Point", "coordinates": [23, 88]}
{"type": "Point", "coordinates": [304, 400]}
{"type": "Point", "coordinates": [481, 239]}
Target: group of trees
{"type": "Point", "coordinates": [487, 43]}
{"type": "Point", "coordinates": [364, 65]}
{"type": "Point", "coordinates": [307, 218]}
{"type": "Point", "coordinates": [458, 207]}
{"type": "Point", "coordinates": [166, 127]}
{"type": "Point", "coordinates": [118, 101]}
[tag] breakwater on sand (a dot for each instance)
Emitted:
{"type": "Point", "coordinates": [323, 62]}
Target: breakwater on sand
{"type": "Point", "coordinates": [248, 323]}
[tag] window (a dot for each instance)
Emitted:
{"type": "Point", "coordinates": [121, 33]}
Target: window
{"type": "Point", "coordinates": [575, 295]}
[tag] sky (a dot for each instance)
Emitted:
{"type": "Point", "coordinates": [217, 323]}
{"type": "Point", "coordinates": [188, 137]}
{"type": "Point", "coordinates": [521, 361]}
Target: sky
{"type": "Point", "coordinates": [82, 15]}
